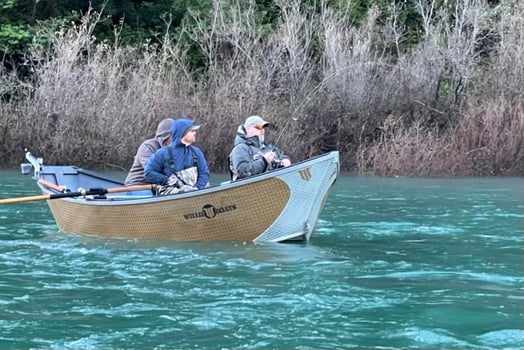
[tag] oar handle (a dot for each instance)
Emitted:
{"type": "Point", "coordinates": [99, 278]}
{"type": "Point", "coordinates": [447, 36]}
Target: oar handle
{"type": "Point", "coordinates": [51, 185]}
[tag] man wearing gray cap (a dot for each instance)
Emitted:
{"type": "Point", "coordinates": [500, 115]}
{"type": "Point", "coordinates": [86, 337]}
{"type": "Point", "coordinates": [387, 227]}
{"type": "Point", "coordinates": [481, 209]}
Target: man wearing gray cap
{"type": "Point", "coordinates": [146, 149]}
{"type": "Point", "coordinates": [251, 155]}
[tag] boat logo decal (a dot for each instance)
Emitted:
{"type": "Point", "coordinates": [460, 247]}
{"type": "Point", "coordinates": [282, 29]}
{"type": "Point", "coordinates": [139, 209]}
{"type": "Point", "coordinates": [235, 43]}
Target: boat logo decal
{"type": "Point", "coordinates": [209, 211]}
{"type": "Point", "coordinates": [305, 174]}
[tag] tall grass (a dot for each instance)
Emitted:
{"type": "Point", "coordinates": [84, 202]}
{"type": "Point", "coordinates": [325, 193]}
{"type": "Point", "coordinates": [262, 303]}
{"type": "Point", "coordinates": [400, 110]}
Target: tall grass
{"type": "Point", "coordinates": [451, 105]}
{"type": "Point", "coordinates": [487, 141]}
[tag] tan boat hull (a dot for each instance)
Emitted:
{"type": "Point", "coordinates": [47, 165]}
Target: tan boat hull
{"type": "Point", "coordinates": [282, 205]}
{"type": "Point", "coordinates": [240, 213]}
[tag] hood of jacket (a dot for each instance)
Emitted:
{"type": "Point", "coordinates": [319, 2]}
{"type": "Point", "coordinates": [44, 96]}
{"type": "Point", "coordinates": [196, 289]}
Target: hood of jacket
{"type": "Point", "coordinates": [241, 137]}
{"type": "Point", "coordinates": [178, 128]}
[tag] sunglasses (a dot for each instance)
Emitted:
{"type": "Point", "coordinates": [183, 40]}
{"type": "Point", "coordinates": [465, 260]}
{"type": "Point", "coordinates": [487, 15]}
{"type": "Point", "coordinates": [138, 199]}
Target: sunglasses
{"type": "Point", "coordinates": [260, 126]}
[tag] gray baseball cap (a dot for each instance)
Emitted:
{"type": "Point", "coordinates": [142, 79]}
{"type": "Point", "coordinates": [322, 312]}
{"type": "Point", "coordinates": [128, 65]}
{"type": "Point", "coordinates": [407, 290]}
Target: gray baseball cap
{"type": "Point", "coordinates": [255, 120]}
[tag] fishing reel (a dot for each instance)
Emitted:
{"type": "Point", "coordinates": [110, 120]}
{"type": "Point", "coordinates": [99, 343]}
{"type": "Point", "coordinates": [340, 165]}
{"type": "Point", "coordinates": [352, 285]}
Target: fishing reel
{"type": "Point", "coordinates": [276, 163]}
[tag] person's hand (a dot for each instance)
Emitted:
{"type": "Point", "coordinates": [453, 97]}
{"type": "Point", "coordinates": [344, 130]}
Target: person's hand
{"type": "Point", "coordinates": [269, 156]}
{"type": "Point", "coordinates": [285, 162]}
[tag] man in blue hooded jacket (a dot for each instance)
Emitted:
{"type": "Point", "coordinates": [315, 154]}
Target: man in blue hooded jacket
{"type": "Point", "coordinates": [179, 167]}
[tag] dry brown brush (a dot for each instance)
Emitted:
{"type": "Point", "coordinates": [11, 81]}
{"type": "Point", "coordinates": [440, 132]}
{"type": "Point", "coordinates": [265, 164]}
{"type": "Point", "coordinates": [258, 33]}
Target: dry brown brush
{"type": "Point", "coordinates": [488, 140]}
{"type": "Point", "coordinates": [93, 103]}
{"type": "Point", "coordinates": [449, 105]}
{"type": "Point", "coordinates": [473, 126]}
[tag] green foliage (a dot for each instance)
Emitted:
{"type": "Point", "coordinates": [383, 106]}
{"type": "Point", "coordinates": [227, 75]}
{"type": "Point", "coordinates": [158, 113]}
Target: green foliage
{"type": "Point", "coordinates": [13, 38]}
{"type": "Point", "coordinates": [39, 36]}
{"type": "Point", "coordinates": [411, 21]}
{"type": "Point", "coordinates": [146, 21]}
{"type": "Point", "coordinates": [268, 11]}
{"type": "Point", "coordinates": [7, 4]}
{"type": "Point", "coordinates": [356, 10]}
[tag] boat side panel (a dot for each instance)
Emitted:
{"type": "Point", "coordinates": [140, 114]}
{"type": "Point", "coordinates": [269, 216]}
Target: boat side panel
{"type": "Point", "coordinates": [240, 213]}
{"type": "Point", "coordinates": [310, 187]}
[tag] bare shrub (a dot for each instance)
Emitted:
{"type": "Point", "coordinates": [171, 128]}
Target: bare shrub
{"type": "Point", "coordinates": [403, 150]}
{"type": "Point", "coordinates": [252, 74]}
{"type": "Point", "coordinates": [488, 141]}
{"type": "Point", "coordinates": [502, 70]}
{"type": "Point", "coordinates": [93, 103]}
{"type": "Point", "coordinates": [439, 71]}
{"type": "Point", "coordinates": [233, 86]}
{"type": "Point", "coordinates": [341, 95]}
{"type": "Point", "coordinates": [362, 85]}
{"type": "Point", "coordinates": [323, 81]}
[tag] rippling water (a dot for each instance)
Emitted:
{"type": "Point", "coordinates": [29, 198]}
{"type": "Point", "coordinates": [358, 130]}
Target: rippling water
{"type": "Point", "coordinates": [394, 263]}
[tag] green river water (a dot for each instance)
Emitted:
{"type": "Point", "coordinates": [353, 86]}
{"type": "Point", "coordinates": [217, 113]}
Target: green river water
{"type": "Point", "coordinates": [394, 263]}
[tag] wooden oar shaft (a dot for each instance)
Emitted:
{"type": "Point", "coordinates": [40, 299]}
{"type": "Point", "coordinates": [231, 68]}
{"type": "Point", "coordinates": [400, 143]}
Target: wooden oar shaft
{"type": "Point", "coordinates": [59, 188]}
{"type": "Point", "coordinates": [25, 199]}
{"type": "Point", "coordinates": [92, 191]}
{"type": "Point", "coordinates": [131, 188]}
{"type": "Point", "coordinates": [42, 197]}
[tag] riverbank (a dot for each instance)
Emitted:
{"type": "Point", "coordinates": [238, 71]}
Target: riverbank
{"type": "Point", "coordinates": [447, 105]}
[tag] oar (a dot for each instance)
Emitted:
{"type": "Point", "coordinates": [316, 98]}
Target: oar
{"type": "Point", "coordinates": [49, 184]}
{"type": "Point", "coordinates": [81, 193]}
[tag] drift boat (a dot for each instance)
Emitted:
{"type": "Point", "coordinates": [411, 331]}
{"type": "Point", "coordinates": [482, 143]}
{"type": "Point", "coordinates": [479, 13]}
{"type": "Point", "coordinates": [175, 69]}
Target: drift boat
{"type": "Point", "coordinates": [280, 205]}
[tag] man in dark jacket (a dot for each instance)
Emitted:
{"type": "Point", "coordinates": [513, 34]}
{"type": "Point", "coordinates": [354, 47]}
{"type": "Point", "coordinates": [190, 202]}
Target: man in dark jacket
{"type": "Point", "coordinates": [179, 167]}
{"type": "Point", "coordinates": [251, 155]}
{"type": "Point", "coordinates": [146, 149]}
